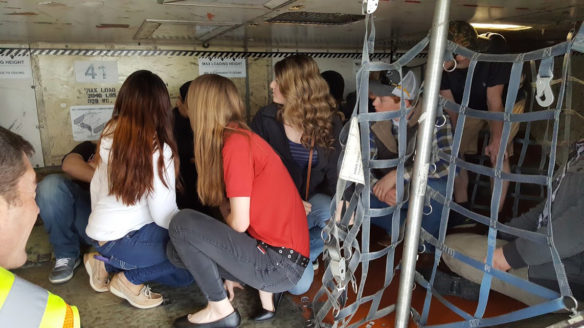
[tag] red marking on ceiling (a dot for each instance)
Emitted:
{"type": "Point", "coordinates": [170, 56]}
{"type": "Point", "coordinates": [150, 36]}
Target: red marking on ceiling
{"type": "Point", "coordinates": [471, 5]}
{"type": "Point", "coordinates": [112, 26]}
{"type": "Point", "coordinates": [26, 13]}
{"type": "Point", "coordinates": [413, 1]}
{"type": "Point", "coordinates": [522, 8]}
{"type": "Point", "coordinates": [210, 16]}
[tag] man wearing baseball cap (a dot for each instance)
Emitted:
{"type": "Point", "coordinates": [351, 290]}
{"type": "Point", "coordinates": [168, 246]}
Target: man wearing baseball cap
{"type": "Point", "coordinates": [387, 95]}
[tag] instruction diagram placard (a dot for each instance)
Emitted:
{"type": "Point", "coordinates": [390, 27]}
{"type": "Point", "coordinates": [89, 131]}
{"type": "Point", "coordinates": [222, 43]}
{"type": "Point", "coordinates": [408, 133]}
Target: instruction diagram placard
{"type": "Point", "coordinates": [96, 71]}
{"type": "Point", "coordinates": [228, 67]}
{"type": "Point", "coordinates": [15, 67]}
{"type": "Point", "coordinates": [87, 122]}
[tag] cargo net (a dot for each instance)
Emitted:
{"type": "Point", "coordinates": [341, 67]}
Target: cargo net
{"type": "Point", "coordinates": [348, 252]}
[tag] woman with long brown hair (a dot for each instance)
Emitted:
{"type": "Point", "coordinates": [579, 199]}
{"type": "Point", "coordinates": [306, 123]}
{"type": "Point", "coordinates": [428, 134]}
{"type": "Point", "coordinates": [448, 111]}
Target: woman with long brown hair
{"type": "Point", "coordinates": [303, 127]}
{"type": "Point", "coordinates": [133, 195]}
{"type": "Point", "coordinates": [238, 168]}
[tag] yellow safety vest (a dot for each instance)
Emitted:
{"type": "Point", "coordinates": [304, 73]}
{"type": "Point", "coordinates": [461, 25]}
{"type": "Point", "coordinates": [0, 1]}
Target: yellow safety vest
{"type": "Point", "coordinates": [23, 305]}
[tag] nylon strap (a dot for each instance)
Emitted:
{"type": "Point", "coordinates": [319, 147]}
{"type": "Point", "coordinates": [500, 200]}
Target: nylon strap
{"type": "Point", "coordinates": [345, 255]}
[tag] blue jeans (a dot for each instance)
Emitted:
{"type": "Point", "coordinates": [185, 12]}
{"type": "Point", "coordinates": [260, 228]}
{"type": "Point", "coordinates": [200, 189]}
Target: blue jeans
{"type": "Point", "coordinates": [64, 208]}
{"type": "Point", "coordinates": [141, 254]}
{"type": "Point", "coordinates": [317, 218]}
{"type": "Point", "coordinates": [430, 222]}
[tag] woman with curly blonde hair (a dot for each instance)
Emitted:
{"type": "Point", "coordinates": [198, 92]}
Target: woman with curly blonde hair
{"type": "Point", "coordinates": [303, 127]}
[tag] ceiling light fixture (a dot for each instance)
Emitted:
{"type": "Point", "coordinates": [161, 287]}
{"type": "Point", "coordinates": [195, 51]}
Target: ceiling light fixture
{"type": "Point", "coordinates": [494, 26]}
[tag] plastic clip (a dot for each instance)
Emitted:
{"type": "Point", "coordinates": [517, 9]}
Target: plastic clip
{"type": "Point", "coordinates": [338, 270]}
{"type": "Point", "coordinates": [544, 89]}
{"type": "Point", "coordinates": [369, 6]}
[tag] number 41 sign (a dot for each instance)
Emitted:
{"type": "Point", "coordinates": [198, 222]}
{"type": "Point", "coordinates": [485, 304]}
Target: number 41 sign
{"type": "Point", "coordinates": [96, 71]}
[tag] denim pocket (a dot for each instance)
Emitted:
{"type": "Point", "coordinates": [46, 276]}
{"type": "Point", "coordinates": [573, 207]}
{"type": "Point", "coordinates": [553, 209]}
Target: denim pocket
{"type": "Point", "coordinates": [106, 248]}
{"type": "Point", "coordinates": [117, 263]}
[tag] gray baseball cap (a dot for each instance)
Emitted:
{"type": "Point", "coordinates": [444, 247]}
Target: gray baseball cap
{"type": "Point", "coordinates": [390, 85]}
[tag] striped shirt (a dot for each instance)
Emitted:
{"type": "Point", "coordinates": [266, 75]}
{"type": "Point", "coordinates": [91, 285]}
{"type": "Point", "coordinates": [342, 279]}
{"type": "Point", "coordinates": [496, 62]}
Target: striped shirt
{"type": "Point", "coordinates": [301, 154]}
{"type": "Point", "coordinates": [441, 141]}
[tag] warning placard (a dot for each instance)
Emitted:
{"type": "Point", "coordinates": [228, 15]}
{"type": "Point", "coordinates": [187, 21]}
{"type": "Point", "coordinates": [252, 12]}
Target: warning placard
{"type": "Point", "coordinates": [228, 67]}
{"type": "Point", "coordinates": [15, 67]}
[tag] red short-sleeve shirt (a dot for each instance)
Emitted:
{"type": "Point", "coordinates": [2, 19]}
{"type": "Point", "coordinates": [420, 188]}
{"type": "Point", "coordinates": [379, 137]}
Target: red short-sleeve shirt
{"type": "Point", "coordinates": [251, 168]}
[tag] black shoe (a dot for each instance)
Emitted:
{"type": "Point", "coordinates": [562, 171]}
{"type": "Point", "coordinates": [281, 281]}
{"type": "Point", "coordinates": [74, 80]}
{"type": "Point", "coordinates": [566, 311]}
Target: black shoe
{"type": "Point", "coordinates": [231, 321]}
{"type": "Point", "coordinates": [264, 314]}
{"type": "Point", "coordinates": [454, 285]}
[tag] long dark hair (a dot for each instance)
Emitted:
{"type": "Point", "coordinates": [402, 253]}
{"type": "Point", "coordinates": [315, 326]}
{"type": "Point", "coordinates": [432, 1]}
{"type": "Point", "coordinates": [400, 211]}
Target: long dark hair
{"type": "Point", "coordinates": [141, 124]}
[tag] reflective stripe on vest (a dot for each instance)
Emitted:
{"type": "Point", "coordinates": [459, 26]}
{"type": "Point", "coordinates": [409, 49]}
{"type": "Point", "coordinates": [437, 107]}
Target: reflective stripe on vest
{"type": "Point", "coordinates": [54, 312]}
{"type": "Point", "coordinates": [27, 305]}
{"type": "Point", "coordinates": [6, 281]}
{"type": "Point", "coordinates": [76, 318]}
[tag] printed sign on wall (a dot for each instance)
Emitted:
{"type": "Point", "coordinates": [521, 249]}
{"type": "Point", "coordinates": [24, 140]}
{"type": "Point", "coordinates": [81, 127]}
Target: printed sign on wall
{"type": "Point", "coordinates": [229, 67]}
{"type": "Point", "coordinates": [15, 67]}
{"type": "Point", "coordinates": [96, 71]}
{"type": "Point", "coordinates": [88, 121]}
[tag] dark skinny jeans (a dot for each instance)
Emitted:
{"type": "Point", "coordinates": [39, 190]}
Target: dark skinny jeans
{"type": "Point", "coordinates": [211, 250]}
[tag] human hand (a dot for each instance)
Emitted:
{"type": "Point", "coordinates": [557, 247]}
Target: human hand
{"type": "Point", "coordinates": [229, 286]}
{"type": "Point", "coordinates": [391, 197]}
{"type": "Point", "coordinates": [499, 260]}
{"type": "Point", "coordinates": [307, 207]}
{"type": "Point", "coordinates": [339, 209]}
{"type": "Point", "coordinates": [492, 150]}
{"type": "Point", "coordinates": [384, 189]}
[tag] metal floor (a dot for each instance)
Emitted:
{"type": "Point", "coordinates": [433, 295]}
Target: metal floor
{"type": "Point", "coordinates": [107, 310]}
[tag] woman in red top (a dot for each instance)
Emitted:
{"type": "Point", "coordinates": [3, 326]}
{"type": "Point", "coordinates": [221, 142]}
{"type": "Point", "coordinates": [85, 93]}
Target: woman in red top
{"type": "Point", "coordinates": [237, 170]}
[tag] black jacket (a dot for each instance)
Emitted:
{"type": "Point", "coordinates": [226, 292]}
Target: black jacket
{"type": "Point", "coordinates": [568, 225]}
{"type": "Point", "coordinates": [188, 196]}
{"type": "Point", "coordinates": [324, 175]}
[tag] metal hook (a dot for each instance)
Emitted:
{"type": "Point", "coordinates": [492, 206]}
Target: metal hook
{"type": "Point", "coordinates": [543, 88]}
{"type": "Point", "coordinates": [439, 125]}
{"type": "Point", "coordinates": [429, 206]}
{"type": "Point", "coordinates": [453, 67]}
{"type": "Point", "coordinates": [433, 168]}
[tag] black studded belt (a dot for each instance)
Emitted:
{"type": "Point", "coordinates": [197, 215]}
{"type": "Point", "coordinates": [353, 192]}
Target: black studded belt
{"type": "Point", "coordinates": [287, 253]}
